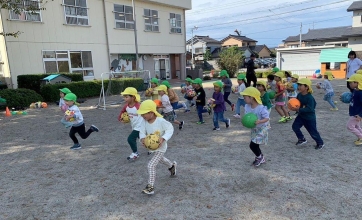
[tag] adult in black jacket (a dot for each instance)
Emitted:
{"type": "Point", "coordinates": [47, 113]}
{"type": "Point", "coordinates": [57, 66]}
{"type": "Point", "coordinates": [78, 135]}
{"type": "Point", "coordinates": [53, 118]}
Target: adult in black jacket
{"type": "Point", "coordinates": [250, 71]}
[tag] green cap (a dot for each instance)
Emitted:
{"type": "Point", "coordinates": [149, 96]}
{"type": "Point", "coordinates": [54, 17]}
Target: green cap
{"type": "Point", "coordinates": [241, 76]}
{"type": "Point", "coordinates": [275, 69]}
{"type": "Point", "coordinates": [155, 81]}
{"type": "Point", "coordinates": [218, 84]}
{"type": "Point", "coordinates": [65, 90]}
{"type": "Point", "coordinates": [197, 81]}
{"type": "Point", "coordinates": [188, 79]}
{"type": "Point", "coordinates": [70, 97]}
{"type": "Point", "coordinates": [166, 83]}
{"type": "Point", "coordinates": [224, 73]}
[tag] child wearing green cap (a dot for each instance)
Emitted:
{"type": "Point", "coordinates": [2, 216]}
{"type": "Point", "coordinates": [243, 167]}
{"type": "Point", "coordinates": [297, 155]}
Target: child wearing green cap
{"type": "Point", "coordinates": [63, 107]}
{"type": "Point", "coordinates": [227, 87]}
{"type": "Point", "coordinates": [241, 88]}
{"type": "Point", "coordinates": [219, 108]}
{"type": "Point", "coordinates": [76, 118]}
{"type": "Point", "coordinates": [172, 95]}
{"type": "Point", "coordinates": [200, 99]}
{"type": "Point", "coordinates": [154, 83]}
{"type": "Point", "coordinates": [187, 89]}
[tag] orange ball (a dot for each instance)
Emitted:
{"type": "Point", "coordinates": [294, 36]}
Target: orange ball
{"type": "Point", "coordinates": [293, 103]}
{"type": "Point", "coordinates": [158, 102]}
{"type": "Point", "coordinates": [44, 105]}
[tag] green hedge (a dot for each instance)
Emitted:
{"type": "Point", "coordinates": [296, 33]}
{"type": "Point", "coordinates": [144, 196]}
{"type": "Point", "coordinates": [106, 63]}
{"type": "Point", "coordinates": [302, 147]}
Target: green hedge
{"type": "Point", "coordinates": [33, 81]}
{"type": "Point", "coordinates": [87, 89]}
{"type": "Point", "coordinates": [20, 98]}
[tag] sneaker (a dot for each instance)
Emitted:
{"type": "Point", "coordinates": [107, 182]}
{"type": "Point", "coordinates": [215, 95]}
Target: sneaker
{"type": "Point", "coordinates": [301, 142]}
{"type": "Point", "coordinates": [180, 126]}
{"type": "Point", "coordinates": [94, 128]}
{"type": "Point", "coordinates": [209, 111]}
{"type": "Point", "coordinates": [335, 102]}
{"type": "Point", "coordinates": [187, 111]}
{"type": "Point", "coordinates": [358, 142]}
{"type": "Point", "coordinates": [173, 169]}
{"type": "Point", "coordinates": [259, 161]}
{"type": "Point", "coordinates": [237, 116]}
{"type": "Point", "coordinates": [149, 152]}
{"type": "Point", "coordinates": [333, 109]}
{"type": "Point", "coordinates": [148, 190]}
{"type": "Point", "coordinates": [76, 147]}
{"type": "Point", "coordinates": [228, 123]}
{"type": "Point", "coordinates": [192, 105]}
{"type": "Point", "coordinates": [216, 129]}
{"type": "Point", "coordinates": [283, 120]}
{"type": "Point", "coordinates": [200, 122]}
{"type": "Point", "coordinates": [184, 105]}
{"type": "Point", "coordinates": [319, 146]}
{"type": "Point", "coordinates": [232, 107]}
{"type": "Point", "coordinates": [289, 118]}
{"type": "Point", "coordinates": [133, 156]}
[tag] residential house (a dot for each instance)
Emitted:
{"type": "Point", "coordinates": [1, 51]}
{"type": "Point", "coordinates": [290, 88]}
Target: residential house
{"type": "Point", "coordinates": [201, 44]}
{"type": "Point", "coordinates": [238, 41]}
{"type": "Point", "coordinates": [89, 37]}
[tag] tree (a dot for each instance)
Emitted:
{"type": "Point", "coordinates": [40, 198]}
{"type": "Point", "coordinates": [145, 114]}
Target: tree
{"type": "Point", "coordinates": [207, 55]}
{"type": "Point", "coordinates": [18, 6]}
{"type": "Point", "coordinates": [273, 53]}
{"type": "Point", "coordinates": [230, 60]}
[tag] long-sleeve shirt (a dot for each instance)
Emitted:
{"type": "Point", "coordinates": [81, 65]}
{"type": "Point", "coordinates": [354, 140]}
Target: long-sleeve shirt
{"type": "Point", "coordinates": [307, 106]}
{"type": "Point", "coordinates": [135, 118]}
{"type": "Point", "coordinates": [250, 68]}
{"type": "Point", "coordinates": [200, 96]}
{"type": "Point", "coordinates": [167, 107]}
{"type": "Point", "coordinates": [327, 86]}
{"type": "Point", "coordinates": [355, 106]}
{"type": "Point", "coordinates": [164, 127]}
{"type": "Point", "coordinates": [352, 66]}
{"type": "Point", "coordinates": [219, 102]}
{"type": "Point", "coordinates": [241, 88]}
{"type": "Point", "coordinates": [172, 95]}
{"type": "Point", "coordinates": [265, 100]}
{"type": "Point", "coordinates": [227, 84]}
{"type": "Point", "coordinates": [77, 115]}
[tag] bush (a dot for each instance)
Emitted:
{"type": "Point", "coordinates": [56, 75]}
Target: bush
{"type": "Point", "coordinates": [216, 75]}
{"type": "Point", "coordinates": [33, 81]}
{"type": "Point", "coordinates": [207, 77]}
{"type": "Point", "coordinates": [259, 74]}
{"type": "Point", "coordinates": [87, 89]}
{"type": "Point", "coordinates": [20, 98]}
{"type": "Point", "coordinates": [3, 86]}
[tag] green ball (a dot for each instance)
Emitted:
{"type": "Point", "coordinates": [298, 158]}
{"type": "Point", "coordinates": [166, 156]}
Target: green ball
{"type": "Point", "coordinates": [272, 94]}
{"type": "Point", "coordinates": [14, 112]}
{"type": "Point", "coordinates": [25, 113]}
{"type": "Point", "coordinates": [249, 120]}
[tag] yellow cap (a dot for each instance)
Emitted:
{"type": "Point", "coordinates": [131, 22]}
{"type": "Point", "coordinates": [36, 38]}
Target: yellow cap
{"type": "Point", "coordinates": [162, 88]}
{"type": "Point", "coordinates": [329, 74]}
{"type": "Point", "coordinates": [295, 76]}
{"type": "Point", "coordinates": [280, 74]}
{"type": "Point", "coordinates": [148, 106]}
{"type": "Point", "coordinates": [356, 78]}
{"type": "Point", "coordinates": [132, 91]}
{"type": "Point", "coordinates": [307, 82]}
{"type": "Point", "coordinates": [261, 83]}
{"type": "Point", "coordinates": [253, 92]}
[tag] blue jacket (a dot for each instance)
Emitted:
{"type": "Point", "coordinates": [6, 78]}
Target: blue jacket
{"type": "Point", "coordinates": [355, 106]}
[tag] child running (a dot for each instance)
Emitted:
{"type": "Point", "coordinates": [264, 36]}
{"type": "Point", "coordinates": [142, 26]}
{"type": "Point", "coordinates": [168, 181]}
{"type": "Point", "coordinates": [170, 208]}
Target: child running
{"type": "Point", "coordinates": [292, 87]}
{"type": "Point", "coordinates": [154, 83]}
{"type": "Point", "coordinates": [355, 107]}
{"type": "Point", "coordinates": [219, 108]}
{"type": "Point", "coordinates": [241, 88]}
{"type": "Point", "coordinates": [167, 110]}
{"type": "Point", "coordinates": [259, 134]}
{"type": "Point", "coordinates": [272, 86]}
{"type": "Point", "coordinates": [261, 86]}
{"type": "Point", "coordinates": [306, 114]}
{"type": "Point", "coordinates": [154, 123]}
{"type": "Point", "coordinates": [227, 87]}
{"type": "Point", "coordinates": [63, 107]}
{"type": "Point", "coordinates": [186, 90]}
{"type": "Point", "coordinates": [76, 118]}
{"type": "Point", "coordinates": [132, 99]}
{"type": "Point", "coordinates": [329, 92]}
{"type": "Point", "coordinates": [174, 99]}
{"type": "Point", "coordinates": [280, 99]}
{"type": "Point", "coordinates": [200, 100]}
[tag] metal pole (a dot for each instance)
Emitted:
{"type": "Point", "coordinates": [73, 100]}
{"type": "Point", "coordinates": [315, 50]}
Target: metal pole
{"type": "Point", "coordinates": [135, 33]}
{"type": "Point", "coordinates": [300, 36]}
{"type": "Point", "coordinates": [192, 48]}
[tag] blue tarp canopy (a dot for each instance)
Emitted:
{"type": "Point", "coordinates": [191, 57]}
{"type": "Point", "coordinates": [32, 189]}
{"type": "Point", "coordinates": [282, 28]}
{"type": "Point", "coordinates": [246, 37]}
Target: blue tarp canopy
{"type": "Point", "coordinates": [334, 55]}
{"type": "Point", "coordinates": [51, 77]}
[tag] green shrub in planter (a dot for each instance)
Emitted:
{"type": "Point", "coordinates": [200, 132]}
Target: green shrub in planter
{"type": "Point", "coordinates": [259, 74]}
{"type": "Point", "coordinates": [20, 98]}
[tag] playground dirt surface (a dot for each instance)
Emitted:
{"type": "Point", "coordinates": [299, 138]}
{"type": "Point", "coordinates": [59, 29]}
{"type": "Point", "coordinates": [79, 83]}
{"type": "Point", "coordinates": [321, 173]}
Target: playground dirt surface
{"type": "Point", "coordinates": [41, 178]}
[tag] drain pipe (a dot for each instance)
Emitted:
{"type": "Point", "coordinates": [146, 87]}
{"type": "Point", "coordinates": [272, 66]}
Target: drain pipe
{"type": "Point", "coordinates": [11, 84]}
{"type": "Point", "coordinates": [107, 35]}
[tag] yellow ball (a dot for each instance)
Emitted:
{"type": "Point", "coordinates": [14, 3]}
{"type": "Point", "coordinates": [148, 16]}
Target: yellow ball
{"type": "Point", "coordinates": [149, 92]}
{"type": "Point", "coordinates": [152, 142]}
{"type": "Point", "coordinates": [125, 117]}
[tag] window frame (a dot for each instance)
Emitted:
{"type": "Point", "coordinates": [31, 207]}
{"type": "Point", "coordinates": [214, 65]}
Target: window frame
{"type": "Point", "coordinates": [125, 20]}
{"type": "Point", "coordinates": [76, 16]}
{"type": "Point", "coordinates": [174, 25]}
{"type": "Point", "coordinates": [151, 17]}
{"type": "Point", "coordinates": [26, 13]}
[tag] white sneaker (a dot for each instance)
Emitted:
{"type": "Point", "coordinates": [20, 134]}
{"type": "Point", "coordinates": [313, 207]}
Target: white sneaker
{"type": "Point", "coordinates": [237, 116]}
{"type": "Point", "coordinates": [133, 156]}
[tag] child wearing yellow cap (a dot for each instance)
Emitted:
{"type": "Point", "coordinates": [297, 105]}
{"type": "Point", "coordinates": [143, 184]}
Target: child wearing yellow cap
{"type": "Point", "coordinates": [306, 114]}
{"type": "Point", "coordinates": [219, 108]}
{"type": "Point", "coordinates": [259, 134]}
{"type": "Point", "coordinates": [293, 88]}
{"type": "Point", "coordinates": [187, 89]}
{"type": "Point", "coordinates": [280, 98]}
{"type": "Point", "coordinates": [132, 104]}
{"type": "Point", "coordinates": [355, 107]}
{"type": "Point", "coordinates": [167, 110]}
{"type": "Point", "coordinates": [76, 118]}
{"type": "Point", "coordinates": [328, 89]}
{"type": "Point", "coordinates": [172, 95]}
{"type": "Point", "coordinates": [154, 124]}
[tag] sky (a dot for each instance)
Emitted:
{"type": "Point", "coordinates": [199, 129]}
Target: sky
{"type": "Point", "coordinates": [267, 21]}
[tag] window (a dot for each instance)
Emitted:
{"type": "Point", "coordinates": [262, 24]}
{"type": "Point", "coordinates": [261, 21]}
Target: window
{"type": "Point", "coordinates": [124, 16]}
{"type": "Point", "coordinates": [175, 22]}
{"type": "Point", "coordinates": [333, 66]}
{"type": "Point", "coordinates": [68, 61]}
{"type": "Point", "coordinates": [30, 15]}
{"type": "Point", "coordinates": [151, 20]}
{"type": "Point", "coordinates": [76, 12]}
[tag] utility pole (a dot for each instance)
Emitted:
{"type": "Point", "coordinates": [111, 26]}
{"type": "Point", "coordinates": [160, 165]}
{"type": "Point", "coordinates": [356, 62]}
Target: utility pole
{"type": "Point", "coordinates": [192, 46]}
{"type": "Point", "coordinates": [300, 35]}
{"type": "Point", "coordinates": [135, 33]}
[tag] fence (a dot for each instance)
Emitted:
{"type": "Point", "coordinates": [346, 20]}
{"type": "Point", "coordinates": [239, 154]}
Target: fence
{"type": "Point", "coordinates": [303, 73]}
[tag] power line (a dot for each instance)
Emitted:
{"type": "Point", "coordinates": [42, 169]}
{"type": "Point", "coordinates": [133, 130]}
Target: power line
{"type": "Point", "coordinates": [280, 18]}
{"type": "Point", "coordinates": [232, 5]}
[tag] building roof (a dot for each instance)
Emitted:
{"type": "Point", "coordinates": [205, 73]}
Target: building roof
{"type": "Point", "coordinates": [205, 39]}
{"type": "Point", "coordinates": [357, 5]}
{"type": "Point", "coordinates": [237, 37]}
{"type": "Point", "coordinates": [321, 34]}
{"type": "Point", "coordinates": [353, 32]}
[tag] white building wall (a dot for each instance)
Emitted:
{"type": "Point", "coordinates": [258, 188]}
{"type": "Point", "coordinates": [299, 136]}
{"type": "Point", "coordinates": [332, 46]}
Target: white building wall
{"type": "Point", "coordinates": [355, 43]}
{"type": "Point", "coordinates": [356, 20]}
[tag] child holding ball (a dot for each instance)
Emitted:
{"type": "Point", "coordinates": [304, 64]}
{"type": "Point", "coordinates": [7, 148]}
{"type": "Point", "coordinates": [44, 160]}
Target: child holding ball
{"type": "Point", "coordinates": [355, 107]}
{"type": "Point", "coordinates": [259, 134]}
{"type": "Point", "coordinates": [154, 123]}
{"type": "Point", "coordinates": [219, 106]}
{"type": "Point", "coordinates": [132, 99]}
{"type": "Point", "coordinates": [63, 107]}
{"type": "Point", "coordinates": [280, 99]}
{"type": "Point", "coordinates": [306, 114]}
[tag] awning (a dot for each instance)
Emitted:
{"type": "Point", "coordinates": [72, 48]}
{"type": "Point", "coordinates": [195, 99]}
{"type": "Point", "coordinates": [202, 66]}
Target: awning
{"type": "Point", "coordinates": [334, 55]}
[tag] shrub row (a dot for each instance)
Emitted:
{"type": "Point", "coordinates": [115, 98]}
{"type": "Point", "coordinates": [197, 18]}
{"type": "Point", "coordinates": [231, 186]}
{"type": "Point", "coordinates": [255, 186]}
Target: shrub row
{"type": "Point", "coordinates": [19, 98]}
{"type": "Point", "coordinates": [33, 81]}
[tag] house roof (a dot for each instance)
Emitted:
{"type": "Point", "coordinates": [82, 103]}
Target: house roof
{"type": "Point", "coordinates": [205, 39]}
{"type": "Point", "coordinates": [241, 38]}
{"type": "Point", "coordinates": [357, 5]}
{"type": "Point", "coordinates": [321, 34]}
{"type": "Point", "coordinates": [353, 32]}
{"type": "Point", "coordinates": [254, 49]}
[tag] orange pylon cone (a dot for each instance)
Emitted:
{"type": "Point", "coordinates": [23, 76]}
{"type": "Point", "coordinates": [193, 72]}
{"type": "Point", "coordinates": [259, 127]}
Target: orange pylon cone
{"type": "Point", "coordinates": [7, 112]}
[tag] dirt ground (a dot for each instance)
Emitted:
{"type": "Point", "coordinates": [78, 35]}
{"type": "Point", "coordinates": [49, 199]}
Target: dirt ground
{"type": "Point", "coordinates": [41, 178]}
